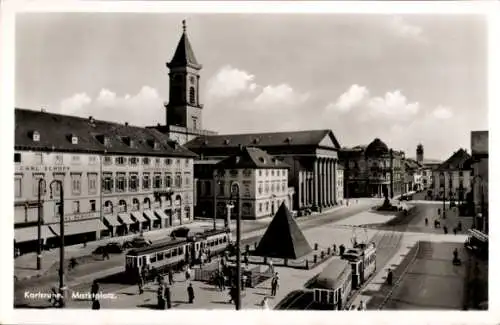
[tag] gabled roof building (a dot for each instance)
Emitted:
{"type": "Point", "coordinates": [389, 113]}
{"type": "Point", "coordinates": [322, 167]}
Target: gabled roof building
{"type": "Point", "coordinates": [453, 177]}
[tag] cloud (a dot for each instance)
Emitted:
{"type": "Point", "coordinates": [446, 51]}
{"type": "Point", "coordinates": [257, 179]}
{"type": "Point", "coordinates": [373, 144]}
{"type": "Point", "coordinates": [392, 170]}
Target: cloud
{"type": "Point", "coordinates": [74, 103]}
{"type": "Point", "coordinates": [230, 82]}
{"type": "Point", "coordinates": [442, 113]}
{"type": "Point", "coordinates": [393, 104]}
{"type": "Point", "coordinates": [144, 108]}
{"type": "Point", "coordinates": [402, 28]}
{"type": "Point", "coordinates": [354, 96]}
{"type": "Point", "coordinates": [280, 94]}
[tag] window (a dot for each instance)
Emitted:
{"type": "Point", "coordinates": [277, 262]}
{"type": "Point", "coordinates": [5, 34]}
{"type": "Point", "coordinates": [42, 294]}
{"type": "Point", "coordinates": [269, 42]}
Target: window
{"type": "Point", "coordinates": [120, 182]}
{"type": "Point", "coordinates": [108, 160]}
{"type": "Point", "coordinates": [145, 161]}
{"type": "Point", "coordinates": [272, 187]}
{"type": "Point", "coordinates": [192, 96]}
{"type": "Point", "coordinates": [92, 178]}
{"type": "Point", "coordinates": [283, 187]}
{"type": "Point", "coordinates": [157, 180]}
{"type": "Point", "coordinates": [195, 122]}
{"type": "Point", "coordinates": [92, 206]}
{"type": "Point", "coordinates": [267, 172]}
{"type": "Point", "coordinates": [272, 172]}
{"type": "Point", "coordinates": [247, 172]}
{"type": "Point", "coordinates": [38, 158]}
{"type": "Point", "coordinates": [267, 188]}
{"type": "Point", "coordinates": [76, 184]}
{"type": "Point", "coordinates": [187, 179]}
{"type": "Point", "coordinates": [92, 160]}
{"type": "Point", "coordinates": [134, 182]}
{"type": "Point", "coordinates": [18, 186]}
{"type": "Point", "coordinates": [75, 160]}
{"type": "Point", "coordinates": [267, 206]}
{"type": "Point", "coordinates": [168, 180]}
{"type": "Point", "coordinates": [120, 160]}
{"type": "Point", "coordinates": [168, 161]}
{"type": "Point", "coordinates": [157, 161]}
{"type": "Point", "coordinates": [233, 172]}
{"type": "Point", "coordinates": [56, 186]}
{"type": "Point", "coordinates": [260, 207]}
{"type": "Point", "coordinates": [178, 180]}
{"type": "Point", "coordinates": [145, 181]}
{"type": "Point", "coordinates": [107, 182]}
{"type": "Point", "coordinates": [186, 162]}
{"type": "Point", "coordinates": [178, 162]}
{"type": "Point", "coordinates": [260, 172]}
{"type": "Point", "coordinates": [76, 206]}
{"type": "Point", "coordinates": [133, 160]}
{"type": "Point", "coordinates": [58, 159]}
{"type": "Point", "coordinates": [17, 157]}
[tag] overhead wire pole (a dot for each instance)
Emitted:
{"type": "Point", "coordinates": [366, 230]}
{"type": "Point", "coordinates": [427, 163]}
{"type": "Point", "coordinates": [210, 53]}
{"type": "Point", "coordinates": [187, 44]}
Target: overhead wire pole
{"type": "Point", "coordinates": [61, 236]}
{"type": "Point", "coordinates": [215, 201]}
{"type": "Point", "coordinates": [39, 224]}
{"type": "Point", "coordinates": [238, 257]}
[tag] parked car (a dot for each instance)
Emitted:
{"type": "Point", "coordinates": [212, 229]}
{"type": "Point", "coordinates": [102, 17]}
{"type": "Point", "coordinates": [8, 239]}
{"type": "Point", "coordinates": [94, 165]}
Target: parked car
{"type": "Point", "coordinates": [111, 248]}
{"type": "Point", "coordinates": [180, 232]}
{"type": "Point", "coordinates": [136, 242]}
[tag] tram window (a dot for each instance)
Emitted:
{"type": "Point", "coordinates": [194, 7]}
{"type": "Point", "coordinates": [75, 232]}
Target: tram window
{"type": "Point", "coordinates": [181, 250]}
{"type": "Point", "coordinates": [316, 295]}
{"type": "Point", "coordinates": [168, 254]}
{"type": "Point", "coordinates": [160, 256]}
{"type": "Point", "coordinates": [152, 258]}
{"type": "Point", "coordinates": [331, 298]}
{"type": "Point", "coordinates": [324, 296]}
{"type": "Point", "coordinates": [174, 252]}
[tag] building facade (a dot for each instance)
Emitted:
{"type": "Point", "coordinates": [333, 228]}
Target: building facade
{"type": "Point", "coordinates": [480, 171]}
{"type": "Point", "coordinates": [184, 109]}
{"type": "Point", "coordinates": [253, 182]}
{"type": "Point", "coordinates": [116, 178]}
{"type": "Point", "coordinates": [311, 155]}
{"type": "Point", "coordinates": [370, 169]}
{"type": "Point", "coordinates": [453, 178]}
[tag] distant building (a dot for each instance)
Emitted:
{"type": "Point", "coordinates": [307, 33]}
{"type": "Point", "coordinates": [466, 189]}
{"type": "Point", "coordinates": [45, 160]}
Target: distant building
{"type": "Point", "coordinates": [184, 108]}
{"type": "Point", "coordinates": [255, 182]}
{"type": "Point", "coordinates": [117, 178]}
{"type": "Point", "coordinates": [370, 169]}
{"type": "Point", "coordinates": [420, 154]}
{"type": "Point", "coordinates": [311, 155]}
{"type": "Point", "coordinates": [479, 150]}
{"type": "Point", "coordinates": [413, 175]}
{"type": "Point", "coordinates": [453, 178]}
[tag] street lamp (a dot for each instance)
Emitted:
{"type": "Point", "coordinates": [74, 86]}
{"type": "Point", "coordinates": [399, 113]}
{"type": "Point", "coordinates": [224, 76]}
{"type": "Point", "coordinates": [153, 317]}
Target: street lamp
{"type": "Point", "coordinates": [39, 224]}
{"type": "Point", "coordinates": [443, 181]}
{"type": "Point", "coordinates": [61, 236]}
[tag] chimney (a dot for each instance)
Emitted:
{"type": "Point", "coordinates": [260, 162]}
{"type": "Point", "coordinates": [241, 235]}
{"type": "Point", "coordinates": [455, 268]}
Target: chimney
{"type": "Point", "coordinates": [126, 123]}
{"type": "Point", "coordinates": [158, 124]}
{"type": "Point", "coordinates": [43, 109]}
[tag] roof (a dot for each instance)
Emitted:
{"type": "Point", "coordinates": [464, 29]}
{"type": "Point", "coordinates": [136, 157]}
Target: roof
{"type": "Point", "coordinates": [376, 148]}
{"type": "Point", "coordinates": [459, 160]}
{"type": "Point", "coordinates": [293, 138]}
{"type": "Point", "coordinates": [283, 238]}
{"type": "Point", "coordinates": [56, 132]}
{"type": "Point", "coordinates": [157, 247]}
{"type": "Point", "coordinates": [252, 158]}
{"type": "Point", "coordinates": [412, 164]}
{"type": "Point", "coordinates": [184, 54]}
{"type": "Point", "coordinates": [332, 274]}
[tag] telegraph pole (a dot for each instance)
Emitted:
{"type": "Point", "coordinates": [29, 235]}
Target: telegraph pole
{"type": "Point", "coordinates": [39, 224]}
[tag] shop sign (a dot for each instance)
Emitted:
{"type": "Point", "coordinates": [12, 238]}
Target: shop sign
{"type": "Point", "coordinates": [79, 216]}
{"type": "Point", "coordinates": [41, 169]}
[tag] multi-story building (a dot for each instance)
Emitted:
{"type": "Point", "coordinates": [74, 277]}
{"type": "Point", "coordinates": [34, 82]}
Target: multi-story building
{"type": "Point", "coordinates": [479, 150]}
{"type": "Point", "coordinates": [184, 109]}
{"type": "Point", "coordinates": [452, 179]}
{"type": "Point", "coordinates": [413, 176]}
{"type": "Point", "coordinates": [311, 155]}
{"type": "Point", "coordinates": [116, 178]}
{"type": "Point", "coordinates": [340, 183]}
{"type": "Point", "coordinates": [370, 169]}
{"type": "Point", "coordinates": [254, 182]}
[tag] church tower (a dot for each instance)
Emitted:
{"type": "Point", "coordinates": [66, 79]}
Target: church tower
{"type": "Point", "coordinates": [420, 153]}
{"type": "Point", "coordinates": [184, 108]}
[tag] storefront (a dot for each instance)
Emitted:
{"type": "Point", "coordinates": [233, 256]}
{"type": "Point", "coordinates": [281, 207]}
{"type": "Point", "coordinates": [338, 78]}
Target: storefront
{"type": "Point", "coordinates": [140, 222]}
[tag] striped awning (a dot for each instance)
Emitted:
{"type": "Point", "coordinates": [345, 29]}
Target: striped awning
{"type": "Point", "coordinates": [150, 215]}
{"type": "Point", "coordinates": [137, 215]}
{"type": "Point", "coordinates": [159, 213]}
{"type": "Point", "coordinates": [78, 227]}
{"type": "Point", "coordinates": [125, 218]}
{"type": "Point", "coordinates": [112, 220]}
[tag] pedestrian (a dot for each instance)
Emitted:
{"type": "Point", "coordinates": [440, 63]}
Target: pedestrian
{"type": "Point", "coordinates": [105, 254]}
{"type": "Point", "coordinates": [334, 249]}
{"type": "Point", "coordinates": [362, 305]}
{"type": "Point", "coordinates": [170, 277]}
{"type": "Point", "coordinates": [190, 292]}
{"type": "Point", "coordinates": [84, 242]}
{"type": "Point", "coordinates": [271, 269]}
{"type": "Point", "coordinates": [455, 254]}
{"type": "Point", "coordinates": [455, 231]}
{"type": "Point", "coordinates": [389, 277]}
{"type": "Point", "coordinates": [94, 290]}
{"type": "Point", "coordinates": [168, 297]}
{"type": "Point", "coordinates": [245, 259]}
{"type": "Point", "coordinates": [144, 274]}
{"type": "Point", "coordinates": [265, 304]}
{"type": "Point", "coordinates": [244, 279]}
{"type": "Point", "coordinates": [426, 221]}
{"type": "Point", "coordinates": [232, 294]}
{"type": "Point", "coordinates": [161, 298]}
{"type": "Point", "coordinates": [140, 284]}
{"type": "Point", "coordinates": [459, 226]}
{"type": "Point", "coordinates": [445, 230]}
{"type": "Point", "coordinates": [274, 285]}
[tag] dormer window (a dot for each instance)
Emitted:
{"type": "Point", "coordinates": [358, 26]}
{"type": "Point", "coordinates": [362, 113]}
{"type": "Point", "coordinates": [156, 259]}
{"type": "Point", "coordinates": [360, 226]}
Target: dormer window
{"type": "Point", "coordinates": [226, 141]}
{"type": "Point", "coordinates": [103, 139]}
{"type": "Point", "coordinates": [256, 140]}
{"type": "Point", "coordinates": [74, 139]}
{"type": "Point", "coordinates": [288, 140]}
{"type": "Point", "coordinates": [36, 136]}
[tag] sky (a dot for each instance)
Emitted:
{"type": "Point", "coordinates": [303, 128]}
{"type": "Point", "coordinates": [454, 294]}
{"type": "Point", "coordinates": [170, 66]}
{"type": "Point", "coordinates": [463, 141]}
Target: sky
{"type": "Point", "coordinates": [406, 79]}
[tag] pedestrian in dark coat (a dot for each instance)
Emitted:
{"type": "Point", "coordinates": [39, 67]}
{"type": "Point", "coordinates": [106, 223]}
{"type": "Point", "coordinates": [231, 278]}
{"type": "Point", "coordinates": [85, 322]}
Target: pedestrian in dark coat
{"type": "Point", "coordinates": [170, 277]}
{"type": "Point", "coordinates": [168, 297]}
{"type": "Point", "coordinates": [161, 298]}
{"type": "Point", "coordinates": [140, 284]}
{"type": "Point", "coordinates": [190, 292]}
{"type": "Point", "coordinates": [389, 277]}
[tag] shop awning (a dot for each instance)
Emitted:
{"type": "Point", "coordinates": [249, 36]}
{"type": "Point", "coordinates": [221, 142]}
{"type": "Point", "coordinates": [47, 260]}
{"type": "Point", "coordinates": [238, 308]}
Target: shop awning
{"type": "Point", "coordinates": [138, 216]}
{"type": "Point", "coordinates": [30, 233]}
{"type": "Point", "coordinates": [160, 214]}
{"type": "Point", "coordinates": [79, 227]}
{"type": "Point", "coordinates": [112, 220]}
{"type": "Point", "coordinates": [125, 218]}
{"type": "Point", "coordinates": [150, 215]}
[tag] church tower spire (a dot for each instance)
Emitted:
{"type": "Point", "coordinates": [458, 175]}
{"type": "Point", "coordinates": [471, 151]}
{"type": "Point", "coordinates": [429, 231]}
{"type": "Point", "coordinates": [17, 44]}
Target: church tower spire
{"type": "Point", "coordinates": [184, 108]}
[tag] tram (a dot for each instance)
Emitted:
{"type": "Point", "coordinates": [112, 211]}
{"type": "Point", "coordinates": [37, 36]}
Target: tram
{"type": "Point", "coordinates": [174, 254]}
{"type": "Point", "coordinates": [477, 242]}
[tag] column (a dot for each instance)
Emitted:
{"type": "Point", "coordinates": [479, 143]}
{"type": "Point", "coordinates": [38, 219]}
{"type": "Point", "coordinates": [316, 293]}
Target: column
{"type": "Point", "coordinates": [315, 183]}
{"type": "Point", "coordinates": [333, 186]}
{"type": "Point", "coordinates": [334, 174]}
{"type": "Point", "coordinates": [328, 183]}
{"type": "Point", "coordinates": [323, 183]}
